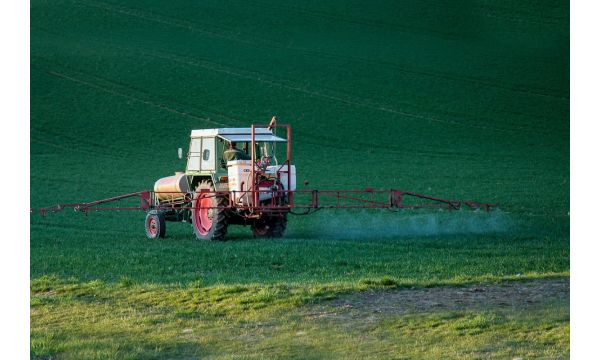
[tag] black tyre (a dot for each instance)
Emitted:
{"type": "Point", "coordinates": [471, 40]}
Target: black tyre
{"type": "Point", "coordinates": [272, 226]}
{"type": "Point", "coordinates": [208, 221]}
{"type": "Point", "coordinates": [155, 225]}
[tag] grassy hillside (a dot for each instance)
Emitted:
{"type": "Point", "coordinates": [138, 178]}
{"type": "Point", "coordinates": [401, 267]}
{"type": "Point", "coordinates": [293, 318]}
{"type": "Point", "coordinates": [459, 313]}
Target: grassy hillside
{"type": "Point", "coordinates": [466, 101]}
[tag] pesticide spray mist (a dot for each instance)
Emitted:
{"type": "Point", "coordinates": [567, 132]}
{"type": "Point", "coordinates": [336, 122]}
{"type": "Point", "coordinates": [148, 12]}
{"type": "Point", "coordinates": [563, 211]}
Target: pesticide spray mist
{"type": "Point", "coordinates": [372, 224]}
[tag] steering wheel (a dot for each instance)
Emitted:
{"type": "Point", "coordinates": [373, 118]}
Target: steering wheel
{"type": "Point", "coordinates": [264, 161]}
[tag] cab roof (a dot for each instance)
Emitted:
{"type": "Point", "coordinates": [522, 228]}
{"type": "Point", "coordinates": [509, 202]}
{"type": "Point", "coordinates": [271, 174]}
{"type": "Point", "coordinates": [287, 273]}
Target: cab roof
{"type": "Point", "coordinates": [238, 134]}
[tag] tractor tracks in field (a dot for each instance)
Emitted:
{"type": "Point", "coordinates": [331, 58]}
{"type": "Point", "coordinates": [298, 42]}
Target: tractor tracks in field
{"type": "Point", "coordinates": [364, 22]}
{"type": "Point", "coordinates": [494, 12]}
{"type": "Point", "coordinates": [133, 93]}
{"type": "Point", "coordinates": [128, 91]}
{"type": "Point", "coordinates": [322, 93]}
{"type": "Point", "coordinates": [338, 96]}
{"type": "Point", "coordinates": [161, 106]}
{"type": "Point", "coordinates": [330, 95]}
{"type": "Point", "coordinates": [275, 81]}
{"type": "Point", "coordinates": [45, 135]}
{"type": "Point", "coordinates": [60, 145]}
{"type": "Point", "coordinates": [255, 40]}
{"type": "Point", "coordinates": [513, 14]}
{"type": "Point", "coordinates": [498, 12]}
{"type": "Point", "coordinates": [69, 144]}
{"type": "Point", "coordinates": [183, 24]}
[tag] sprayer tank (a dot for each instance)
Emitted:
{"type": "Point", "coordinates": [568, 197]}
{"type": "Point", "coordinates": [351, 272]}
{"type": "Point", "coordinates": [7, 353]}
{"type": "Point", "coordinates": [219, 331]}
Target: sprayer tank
{"type": "Point", "coordinates": [171, 188]}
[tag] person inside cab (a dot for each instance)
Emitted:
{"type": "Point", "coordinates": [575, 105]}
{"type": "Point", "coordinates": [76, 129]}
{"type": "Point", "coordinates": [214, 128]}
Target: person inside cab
{"type": "Point", "coordinates": [233, 153]}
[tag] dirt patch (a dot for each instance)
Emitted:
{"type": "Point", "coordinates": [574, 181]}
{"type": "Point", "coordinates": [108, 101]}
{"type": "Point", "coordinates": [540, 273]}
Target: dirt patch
{"type": "Point", "coordinates": [513, 295]}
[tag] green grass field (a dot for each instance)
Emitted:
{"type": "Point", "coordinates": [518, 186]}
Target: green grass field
{"type": "Point", "coordinates": [465, 101]}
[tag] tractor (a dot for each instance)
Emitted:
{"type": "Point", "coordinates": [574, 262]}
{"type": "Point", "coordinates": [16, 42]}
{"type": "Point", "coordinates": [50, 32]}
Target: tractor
{"type": "Point", "coordinates": [236, 176]}
{"type": "Point", "coordinates": [214, 192]}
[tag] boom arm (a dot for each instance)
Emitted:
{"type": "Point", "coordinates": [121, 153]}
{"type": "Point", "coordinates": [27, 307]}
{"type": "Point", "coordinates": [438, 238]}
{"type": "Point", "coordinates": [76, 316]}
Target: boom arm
{"type": "Point", "coordinates": [307, 200]}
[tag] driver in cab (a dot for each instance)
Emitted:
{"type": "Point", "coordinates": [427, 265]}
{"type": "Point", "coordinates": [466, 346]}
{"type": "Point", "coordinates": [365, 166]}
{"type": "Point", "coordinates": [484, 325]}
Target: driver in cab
{"type": "Point", "coordinates": [233, 153]}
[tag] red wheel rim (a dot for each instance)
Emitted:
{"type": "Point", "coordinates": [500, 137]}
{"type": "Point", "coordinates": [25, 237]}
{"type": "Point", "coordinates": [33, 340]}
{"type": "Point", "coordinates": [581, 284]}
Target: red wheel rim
{"type": "Point", "coordinates": [152, 226]}
{"type": "Point", "coordinates": [202, 215]}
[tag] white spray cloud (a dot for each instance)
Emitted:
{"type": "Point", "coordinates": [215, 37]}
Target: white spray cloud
{"type": "Point", "coordinates": [384, 224]}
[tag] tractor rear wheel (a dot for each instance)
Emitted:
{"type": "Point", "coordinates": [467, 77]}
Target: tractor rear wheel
{"type": "Point", "coordinates": [209, 213]}
{"type": "Point", "coordinates": [270, 226]}
{"type": "Point", "coordinates": [155, 224]}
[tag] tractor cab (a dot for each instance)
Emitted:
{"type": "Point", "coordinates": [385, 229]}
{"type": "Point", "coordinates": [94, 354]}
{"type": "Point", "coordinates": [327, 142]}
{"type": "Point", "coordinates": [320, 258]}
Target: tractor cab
{"type": "Point", "coordinates": [206, 158]}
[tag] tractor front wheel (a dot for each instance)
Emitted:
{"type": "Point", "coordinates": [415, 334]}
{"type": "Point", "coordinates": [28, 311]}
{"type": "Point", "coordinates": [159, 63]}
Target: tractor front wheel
{"type": "Point", "coordinates": [209, 213]}
{"type": "Point", "coordinates": [155, 224]}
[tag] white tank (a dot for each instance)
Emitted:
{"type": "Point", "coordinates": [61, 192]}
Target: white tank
{"type": "Point", "coordinates": [239, 173]}
{"type": "Point", "coordinates": [283, 175]}
{"type": "Point", "coordinates": [171, 188]}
